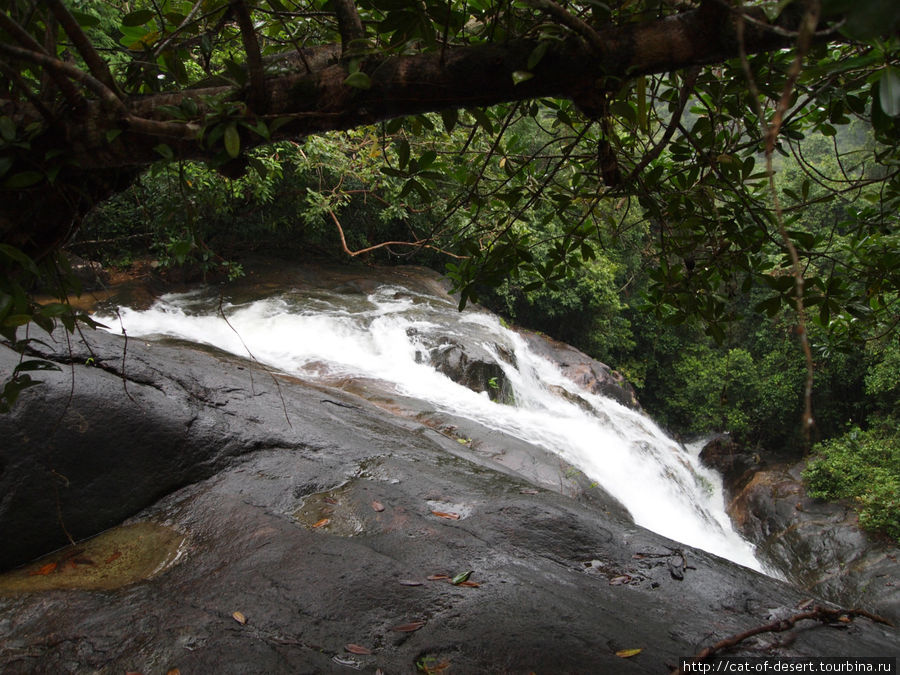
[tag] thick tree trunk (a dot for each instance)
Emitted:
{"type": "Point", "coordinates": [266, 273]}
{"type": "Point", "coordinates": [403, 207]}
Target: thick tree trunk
{"type": "Point", "coordinates": [106, 143]}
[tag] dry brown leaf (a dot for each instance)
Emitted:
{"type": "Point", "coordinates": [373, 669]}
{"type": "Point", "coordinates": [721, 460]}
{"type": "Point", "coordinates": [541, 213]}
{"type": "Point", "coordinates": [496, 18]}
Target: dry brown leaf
{"type": "Point", "coordinates": [357, 649]}
{"type": "Point", "coordinates": [449, 516]}
{"type": "Point", "coordinates": [44, 570]}
{"type": "Point", "coordinates": [322, 523]}
{"type": "Point", "coordinates": [378, 506]}
{"type": "Point", "coordinates": [173, 671]}
{"type": "Point", "coordinates": [408, 627]}
{"type": "Point", "coordinates": [115, 556]}
{"type": "Point", "coordinates": [628, 653]}
{"type": "Point", "coordinates": [470, 584]}
{"type": "Point", "coordinates": [239, 617]}
{"type": "Point", "coordinates": [410, 582]}
{"type": "Point", "coordinates": [437, 577]}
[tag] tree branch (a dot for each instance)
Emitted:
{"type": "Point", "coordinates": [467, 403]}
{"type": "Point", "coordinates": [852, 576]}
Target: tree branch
{"type": "Point", "coordinates": [817, 613]}
{"type": "Point", "coordinates": [258, 94]}
{"type": "Point", "coordinates": [349, 24]}
{"type": "Point", "coordinates": [95, 64]}
{"type": "Point", "coordinates": [581, 27]}
{"type": "Point", "coordinates": [68, 70]}
{"type": "Point", "coordinates": [73, 96]}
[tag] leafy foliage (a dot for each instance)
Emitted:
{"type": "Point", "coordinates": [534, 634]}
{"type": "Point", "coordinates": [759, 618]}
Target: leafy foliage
{"type": "Point", "coordinates": [862, 466]}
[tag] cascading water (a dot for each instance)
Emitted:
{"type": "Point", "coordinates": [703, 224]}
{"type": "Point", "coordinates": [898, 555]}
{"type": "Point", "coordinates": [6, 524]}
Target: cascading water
{"type": "Point", "coordinates": [387, 335]}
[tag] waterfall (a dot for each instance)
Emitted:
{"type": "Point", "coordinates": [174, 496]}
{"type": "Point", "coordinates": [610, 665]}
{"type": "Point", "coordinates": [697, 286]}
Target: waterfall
{"type": "Point", "coordinates": [386, 336]}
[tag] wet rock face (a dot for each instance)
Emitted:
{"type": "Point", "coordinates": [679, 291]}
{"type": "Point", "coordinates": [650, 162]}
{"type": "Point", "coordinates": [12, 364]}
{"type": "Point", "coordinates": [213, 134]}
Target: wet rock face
{"type": "Point", "coordinates": [473, 367]}
{"type": "Point", "coordinates": [596, 377]}
{"type": "Point", "coordinates": [735, 463]}
{"type": "Point", "coordinates": [817, 545]}
{"type": "Point", "coordinates": [313, 519]}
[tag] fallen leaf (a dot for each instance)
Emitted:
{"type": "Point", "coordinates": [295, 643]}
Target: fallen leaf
{"type": "Point", "coordinates": [322, 523]}
{"type": "Point", "coordinates": [410, 582]}
{"type": "Point", "coordinates": [628, 653]}
{"type": "Point", "coordinates": [114, 556]}
{"type": "Point", "coordinates": [44, 570]}
{"type": "Point", "coordinates": [528, 491]}
{"type": "Point", "coordinates": [437, 577]}
{"type": "Point", "coordinates": [173, 671]}
{"type": "Point", "coordinates": [470, 584]}
{"type": "Point", "coordinates": [409, 627]}
{"type": "Point", "coordinates": [239, 617]}
{"type": "Point", "coordinates": [378, 506]}
{"type": "Point", "coordinates": [844, 619]}
{"type": "Point", "coordinates": [461, 577]}
{"type": "Point", "coordinates": [357, 649]}
{"type": "Point", "coordinates": [352, 663]}
{"type": "Point", "coordinates": [449, 516]}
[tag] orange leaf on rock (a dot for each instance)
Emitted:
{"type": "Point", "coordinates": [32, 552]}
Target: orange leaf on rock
{"type": "Point", "coordinates": [322, 523]}
{"type": "Point", "coordinates": [239, 617]}
{"type": "Point", "coordinates": [628, 653]}
{"type": "Point", "coordinates": [173, 671]}
{"type": "Point", "coordinates": [437, 577]}
{"type": "Point", "coordinates": [470, 584]}
{"type": "Point", "coordinates": [448, 516]}
{"type": "Point", "coordinates": [408, 627]}
{"type": "Point", "coordinates": [44, 570]}
{"type": "Point", "coordinates": [357, 649]}
{"type": "Point", "coordinates": [115, 556]}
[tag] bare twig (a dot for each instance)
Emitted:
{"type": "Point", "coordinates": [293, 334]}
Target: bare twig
{"type": "Point", "coordinates": [73, 96]}
{"type": "Point", "coordinates": [817, 613]}
{"type": "Point", "coordinates": [571, 21]}
{"type": "Point", "coordinates": [421, 243]}
{"type": "Point", "coordinates": [770, 133]}
{"type": "Point", "coordinates": [95, 64]}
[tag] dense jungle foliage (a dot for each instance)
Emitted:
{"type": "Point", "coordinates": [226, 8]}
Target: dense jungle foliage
{"type": "Point", "coordinates": [703, 194]}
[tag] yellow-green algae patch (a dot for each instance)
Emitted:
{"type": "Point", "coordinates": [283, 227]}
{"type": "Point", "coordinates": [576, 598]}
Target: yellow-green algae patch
{"type": "Point", "coordinates": [332, 512]}
{"type": "Point", "coordinates": [114, 558]}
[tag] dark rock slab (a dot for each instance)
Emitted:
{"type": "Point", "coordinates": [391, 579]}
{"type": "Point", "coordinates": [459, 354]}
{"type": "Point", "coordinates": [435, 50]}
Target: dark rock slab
{"type": "Point", "coordinates": [818, 545]}
{"type": "Point", "coordinates": [596, 377]}
{"type": "Point", "coordinates": [562, 583]}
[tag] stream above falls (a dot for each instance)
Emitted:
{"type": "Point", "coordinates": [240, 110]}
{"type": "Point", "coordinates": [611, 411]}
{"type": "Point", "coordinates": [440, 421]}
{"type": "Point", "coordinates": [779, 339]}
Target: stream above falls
{"type": "Point", "coordinates": [393, 335]}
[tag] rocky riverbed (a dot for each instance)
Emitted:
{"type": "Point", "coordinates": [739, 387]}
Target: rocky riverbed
{"type": "Point", "coordinates": [278, 526]}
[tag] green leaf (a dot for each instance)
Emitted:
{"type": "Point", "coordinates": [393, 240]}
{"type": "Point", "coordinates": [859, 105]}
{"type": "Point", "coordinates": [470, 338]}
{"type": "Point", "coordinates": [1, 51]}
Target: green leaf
{"type": "Point", "coordinates": [232, 140]}
{"type": "Point", "coordinates": [23, 179]}
{"type": "Point", "coordinates": [402, 153]}
{"type": "Point", "coordinates": [138, 18]}
{"type": "Point", "coordinates": [164, 151]}
{"type": "Point", "coordinates": [358, 80]}
{"type": "Point", "coordinates": [85, 20]}
{"type": "Point", "coordinates": [889, 92]}
{"type": "Point", "coordinates": [520, 76]}
{"type": "Point", "coordinates": [459, 578]}
{"type": "Point", "coordinates": [36, 364]}
{"type": "Point", "coordinates": [7, 129]}
{"type": "Point", "coordinates": [482, 118]}
{"type": "Point", "coordinates": [537, 54]}
{"type": "Point", "coordinates": [449, 116]}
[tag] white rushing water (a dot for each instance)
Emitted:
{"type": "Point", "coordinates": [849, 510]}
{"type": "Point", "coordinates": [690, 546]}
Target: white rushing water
{"type": "Point", "coordinates": [384, 335]}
